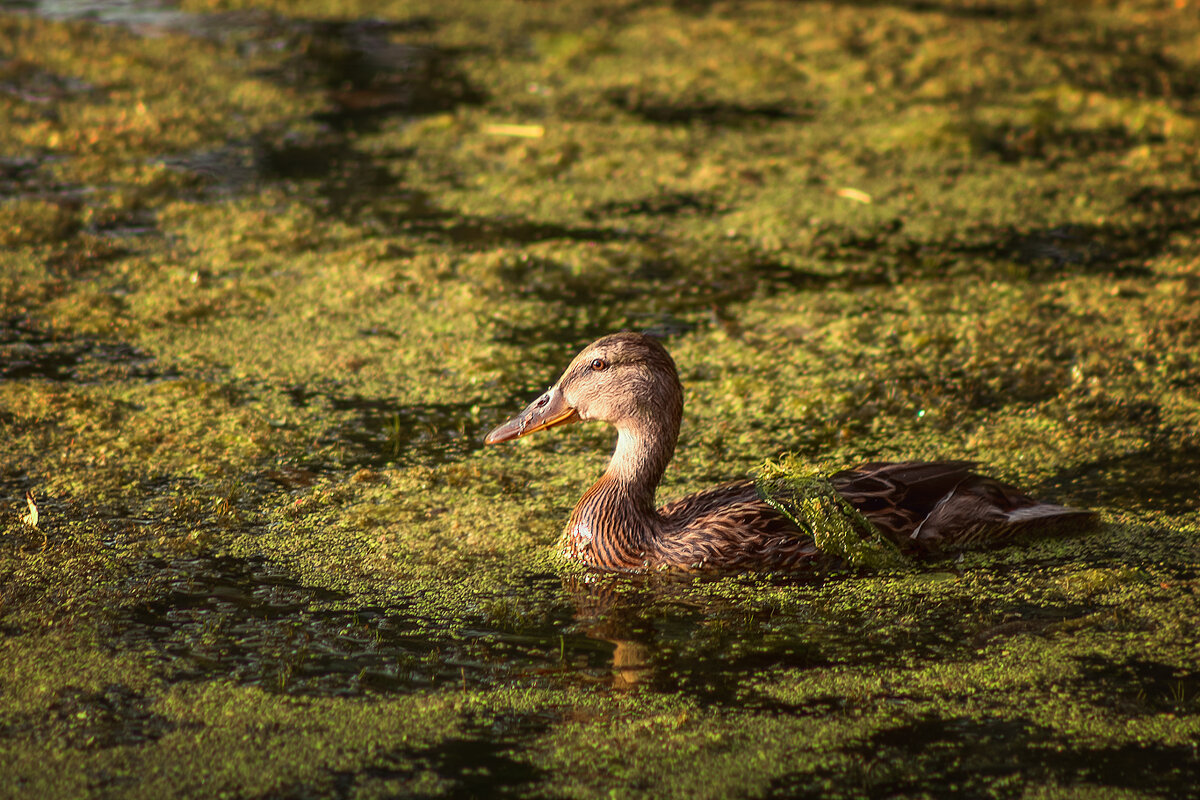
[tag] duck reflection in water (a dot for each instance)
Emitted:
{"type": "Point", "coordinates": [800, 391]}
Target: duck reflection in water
{"type": "Point", "coordinates": [666, 627]}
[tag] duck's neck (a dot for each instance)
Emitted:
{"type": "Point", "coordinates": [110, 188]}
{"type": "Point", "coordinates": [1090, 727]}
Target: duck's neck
{"type": "Point", "coordinates": [615, 524]}
{"type": "Point", "coordinates": [643, 451]}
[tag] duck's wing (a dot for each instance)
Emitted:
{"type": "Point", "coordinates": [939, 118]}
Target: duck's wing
{"type": "Point", "coordinates": [943, 504]}
{"type": "Point", "coordinates": [709, 500]}
{"type": "Point", "coordinates": [731, 527]}
{"type": "Point", "coordinates": [898, 497]}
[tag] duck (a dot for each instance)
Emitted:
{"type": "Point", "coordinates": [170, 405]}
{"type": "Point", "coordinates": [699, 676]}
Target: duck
{"type": "Point", "coordinates": [629, 381]}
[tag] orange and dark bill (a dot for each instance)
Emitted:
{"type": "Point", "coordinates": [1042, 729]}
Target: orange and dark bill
{"type": "Point", "coordinates": [547, 411]}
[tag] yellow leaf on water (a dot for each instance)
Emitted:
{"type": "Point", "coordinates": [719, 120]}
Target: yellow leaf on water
{"type": "Point", "coordinates": [522, 131]}
{"type": "Point", "coordinates": [31, 518]}
{"type": "Point", "coordinates": [857, 195]}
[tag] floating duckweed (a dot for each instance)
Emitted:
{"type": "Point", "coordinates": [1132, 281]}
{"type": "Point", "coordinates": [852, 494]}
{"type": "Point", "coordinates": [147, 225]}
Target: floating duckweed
{"type": "Point", "coordinates": [234, 249]}
{"type": "Point", "coordinates": [804, 495]}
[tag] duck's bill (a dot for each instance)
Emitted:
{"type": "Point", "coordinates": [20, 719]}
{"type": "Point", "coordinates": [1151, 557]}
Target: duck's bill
{"type": "Point", "coordinates": [548, 411]}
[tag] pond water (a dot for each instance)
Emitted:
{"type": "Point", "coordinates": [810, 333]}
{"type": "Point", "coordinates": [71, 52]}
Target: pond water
{"type": "Point", "coordinates": [271, 272]}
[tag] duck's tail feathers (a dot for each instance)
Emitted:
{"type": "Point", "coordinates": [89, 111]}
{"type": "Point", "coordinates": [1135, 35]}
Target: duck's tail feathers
{"type": "Point", "coordinates": [983, 511]}
{"type": "Point", "coordinates": [944, 505]}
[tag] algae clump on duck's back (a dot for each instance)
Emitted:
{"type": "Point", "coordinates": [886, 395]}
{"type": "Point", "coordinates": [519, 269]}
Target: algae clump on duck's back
{"type": "Point", "coordinates": [805, 496]}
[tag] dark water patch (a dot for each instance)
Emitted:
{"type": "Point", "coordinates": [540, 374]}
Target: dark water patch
{"type": "Point", "coordinates": [250, 622]}
{"type": "Point", "coordinates": [672, 204]}
{"type": "Point", "coordinates": [1011, 10]}
{"type": "Point", "coordinates": [28, 351]}
{"type": "Point", "coordinates": [554, 339]}
{"type": "Point", "coordinates": [231, 169]}
{"type": "Point", "coordinates": [117, 226]}
{"type": "Point", "coordinates": [323, 168]}
{"type": "Point", "coordinates": [972, 9]}
{"type": "Point", "coordinates": [718, 672]}
{"type": "Point", "coordinates": [664, 110]}
{"type": "Point", "coordinates": [380, 431]}
{"type": "Point", "coordinates": [665, 294]}
{"type": "Point", "coordinates": [711, 658]}
{"type": "Point", "coordinates": [649, 295]}
{"type": "Point", "coordinates": [364, 73]}
{"type": "Point", "coordinates": [1051, 144]}
{"type": "Point", "coordinates": [347, 179]}
{"type": "Point", "coordinates": [773, 277]}
{"type": "Point", "coordinates": [291, 477]}
{"type": "Point", "coordinates": [1173, 771]}
{"type": "Point", "coordinates": [478, 764]}
{"type": "Point", "coordinates": [1120, 247]}
{"type": "Point", "coordinates": [957, 755]}
{"type": "Point", "coordinates": [1012, 627]}
{"type": "Point", "coordinates": [1118, 60]}
{"type": "Point", "coordinates": [17, 173]}
{"type": "Point", "coordinates": [388, 432]}
{"type": "Point", "coordinates": [367, 76]}
{"type": "Point", "coordinates": [555, 282]}
{"type": "Point", "coordinates": [483, 233]}
{"type": "Point", "coordinates": [965, 757]}
{"type": "Point", "coordinates": [481, 767]}
{"type": "Point", "coordinates": [889, 255]}
{"type": "Point", "coordinates": [328, 171]}
{"type": "Point", "coordinates": [1159, 479]}
{"type": "Point", "coordinates": [114, 717]}
{"type": "Point", "coordinates": [883, 255]}
{"type": "Point", "coordinates": [359, 65]}
{"type": "Point", "coordinates": [667, 637]}
{"type": "Point", "coordinates": [1048, 253]}
{"type": "Point", "coordinates": [38, 88]}
{"type": "Point", "coordinates": [302, 394]}
{"type": "Point", "coordinates": [376, 431]}
{"type": "Point", "coordinates": [561, 334]}
{"type": "Point", "coordinates": [1176, 207]}
{"type": "Point", "coordinates": [671, 636]}
{"type": "Point", "coordinates": [1140, 687]}
{"type": "Point", "coordinates": [961, 9]}
{"type": "Point", "coordinates": [56, 213]}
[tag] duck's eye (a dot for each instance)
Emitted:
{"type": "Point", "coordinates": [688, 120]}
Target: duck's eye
{"type": "Point", "coordinates": [599, 364]}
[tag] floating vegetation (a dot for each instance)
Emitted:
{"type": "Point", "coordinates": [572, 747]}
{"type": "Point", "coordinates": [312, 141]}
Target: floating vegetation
{"type": "Point", "coordinates": [806, 497]}
{"type": "Point", "coordinates": [268, 272]}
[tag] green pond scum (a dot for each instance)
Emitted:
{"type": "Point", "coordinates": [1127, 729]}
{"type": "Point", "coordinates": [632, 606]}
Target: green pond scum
{"type": "Point", "coordinates": [805, 496]}
{"type": "Point", "coordinates": [270, 270]}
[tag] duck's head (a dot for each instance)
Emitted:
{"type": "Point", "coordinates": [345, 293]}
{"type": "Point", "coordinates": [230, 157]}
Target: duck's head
{"type": "Point", "coordinates": [627, 379]}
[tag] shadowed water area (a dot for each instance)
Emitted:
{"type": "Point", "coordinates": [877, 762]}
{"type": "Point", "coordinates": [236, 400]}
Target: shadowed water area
{"type": "Point", "coordinates": [269, 271]}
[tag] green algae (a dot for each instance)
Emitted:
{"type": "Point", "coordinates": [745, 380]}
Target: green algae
{"type": "Point", "coordinates": [258, 308]}
{"type": "Point", "coordinates": [808, 499]}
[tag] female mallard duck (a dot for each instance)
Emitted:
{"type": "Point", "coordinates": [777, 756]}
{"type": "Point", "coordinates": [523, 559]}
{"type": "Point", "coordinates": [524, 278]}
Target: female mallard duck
{"type": "Point", "coordinates": [629, 380]}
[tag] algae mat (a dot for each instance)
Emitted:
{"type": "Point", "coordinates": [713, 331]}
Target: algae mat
{"type": "Point", "coordinates": [268, 272]}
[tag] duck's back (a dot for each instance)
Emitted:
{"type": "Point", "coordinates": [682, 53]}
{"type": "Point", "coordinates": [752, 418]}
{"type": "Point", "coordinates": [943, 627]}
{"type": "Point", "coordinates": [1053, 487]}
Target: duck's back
{"type": "Point", "coordinates": [921, 506]}
{"type": "Point", "coordinates": [929, 506]}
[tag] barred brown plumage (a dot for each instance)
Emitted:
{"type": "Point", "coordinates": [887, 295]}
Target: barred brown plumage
{"type": "Point", "coordinates": [630, 381]}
